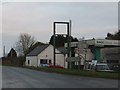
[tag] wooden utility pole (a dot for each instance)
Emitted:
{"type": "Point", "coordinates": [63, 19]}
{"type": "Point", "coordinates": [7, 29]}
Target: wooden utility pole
{"type": "Point", "coordinates": [4, 51]}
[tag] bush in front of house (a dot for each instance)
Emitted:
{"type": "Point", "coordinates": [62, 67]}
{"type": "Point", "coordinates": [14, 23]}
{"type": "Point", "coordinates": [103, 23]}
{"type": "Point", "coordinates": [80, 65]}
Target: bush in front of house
{"type": "Point", "coordinates": [55, 66]}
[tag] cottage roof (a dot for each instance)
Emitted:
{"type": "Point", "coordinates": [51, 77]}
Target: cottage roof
{"type": "Point", "coordinates": [40, 48]}
{"type": "Point", "coordinates": [37, 50]}
{"type": "Point", "coordinates": [63, 50]}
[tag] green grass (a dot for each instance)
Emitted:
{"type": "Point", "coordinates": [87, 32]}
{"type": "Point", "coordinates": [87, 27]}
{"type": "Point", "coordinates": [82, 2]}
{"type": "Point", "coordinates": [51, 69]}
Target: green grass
{"type": "Point", "coordinates": [109, 75]}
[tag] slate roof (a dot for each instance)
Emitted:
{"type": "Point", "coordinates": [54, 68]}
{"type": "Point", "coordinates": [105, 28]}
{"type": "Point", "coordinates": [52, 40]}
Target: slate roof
{"type": "Point", "coordinates": [37, 50]}
{"type": "Point", "coordinates": [63, 50]}
{"type": "Point", "coordinates": [40, 48]}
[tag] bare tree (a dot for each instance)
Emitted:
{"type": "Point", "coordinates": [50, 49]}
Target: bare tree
{"type": "Point", "coordinates": [25, 41]}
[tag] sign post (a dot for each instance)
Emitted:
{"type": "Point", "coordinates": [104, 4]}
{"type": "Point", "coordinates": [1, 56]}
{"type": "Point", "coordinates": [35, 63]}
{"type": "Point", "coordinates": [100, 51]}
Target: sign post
{"type": "Point", "coordinates": [68, 35]}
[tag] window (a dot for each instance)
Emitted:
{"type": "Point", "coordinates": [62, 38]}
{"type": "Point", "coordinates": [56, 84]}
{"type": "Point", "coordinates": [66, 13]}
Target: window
{"type": "Point", "coordinates": [28, 61]}
{"type": "Point", "coordinates": [76, 63]}
{"type": "Point", "coordinates": [43, 61]}
{"type": "Point", "coordinates": [50, 62]}
{"type": "Point", "coordinates": [112, 61]}
{"type": "Point", "coordinates": [102, 67]}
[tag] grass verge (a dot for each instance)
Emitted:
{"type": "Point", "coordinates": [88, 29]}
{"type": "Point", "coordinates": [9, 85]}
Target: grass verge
{"type": "Point", "coordinates": [109, 75]}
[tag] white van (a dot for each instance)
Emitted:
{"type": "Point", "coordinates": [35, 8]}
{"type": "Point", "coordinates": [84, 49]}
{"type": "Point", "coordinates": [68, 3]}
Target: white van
{"type": "Point", "coordinates": [102, 67]}
{"type": "Point", "coordinates": [97, 66]}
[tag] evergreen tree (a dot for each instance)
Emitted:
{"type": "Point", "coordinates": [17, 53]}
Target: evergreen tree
{"type": "Point", "coordinates": [60, 40]}
{"type": "Point", "coordinates": [115, 36]}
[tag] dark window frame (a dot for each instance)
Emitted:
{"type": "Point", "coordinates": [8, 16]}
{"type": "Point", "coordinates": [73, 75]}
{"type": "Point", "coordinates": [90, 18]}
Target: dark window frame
{"type": "Point", "coordinates": [50, 61]}
{"type": "Point", "coordinates": [28, 61]}
{"type": "Point", "coordinates": [43, 61]}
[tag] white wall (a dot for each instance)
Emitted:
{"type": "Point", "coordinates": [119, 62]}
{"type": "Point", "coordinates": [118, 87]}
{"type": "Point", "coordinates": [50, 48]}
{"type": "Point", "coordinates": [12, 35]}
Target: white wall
{"type": "Point", "coordinates": [48, 54]}
{"type": "Point", "coordinates": [32, 59]}
{"type": "Point", "coordinates": [60, 60]}
{"type": "Point", "coordinates": [89, 56]}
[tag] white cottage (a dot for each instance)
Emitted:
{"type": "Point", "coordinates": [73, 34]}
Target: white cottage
{"type": "Point", "coordinates": [44, 55]}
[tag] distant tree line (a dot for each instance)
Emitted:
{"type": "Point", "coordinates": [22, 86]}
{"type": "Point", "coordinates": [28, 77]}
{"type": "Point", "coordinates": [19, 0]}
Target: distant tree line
{"type": "Point", "coordinates": [61, 39]}
{"type": "Point", "coordinates": [26, 43]}
{"type": "Point", "coordinates": [115, 36]}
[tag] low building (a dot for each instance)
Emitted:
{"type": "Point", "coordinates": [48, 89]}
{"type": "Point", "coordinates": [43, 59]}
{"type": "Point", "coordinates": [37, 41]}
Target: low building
{"type": "Point", "coordinates": [12, 59]}
{"type": "Point", "coordinates": [43, 55]}
{"type": "Point", "coordinates": [111, 55]}
{"type": "Point", "coordinates": [101, 50]}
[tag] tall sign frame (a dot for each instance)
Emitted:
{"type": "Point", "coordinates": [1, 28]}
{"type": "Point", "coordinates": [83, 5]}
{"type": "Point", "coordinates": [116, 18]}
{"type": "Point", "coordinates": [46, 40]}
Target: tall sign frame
{"type": "Point", "coordinates": [68, 39]}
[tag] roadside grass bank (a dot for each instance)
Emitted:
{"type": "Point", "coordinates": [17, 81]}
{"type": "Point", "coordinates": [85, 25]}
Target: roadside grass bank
{"type": "Point", "coordinates": [85, 73]}
{"type": "Point", "coordinates": [108, 75]}
{"type": "Point", "coordinates": [12, 65]}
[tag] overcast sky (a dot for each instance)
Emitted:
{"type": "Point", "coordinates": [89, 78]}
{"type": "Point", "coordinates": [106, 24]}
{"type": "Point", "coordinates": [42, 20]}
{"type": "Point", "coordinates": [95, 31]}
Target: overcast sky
{"type": "Point", "coordinates": [89, 19]}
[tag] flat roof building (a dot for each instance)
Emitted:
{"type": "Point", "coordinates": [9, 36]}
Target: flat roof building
{"type": "Point", "coordinates": [103, 50]}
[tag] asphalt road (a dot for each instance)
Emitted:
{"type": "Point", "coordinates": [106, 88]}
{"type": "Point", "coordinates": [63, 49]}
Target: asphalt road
{"type": "Point", "coordinates": [25, 78]}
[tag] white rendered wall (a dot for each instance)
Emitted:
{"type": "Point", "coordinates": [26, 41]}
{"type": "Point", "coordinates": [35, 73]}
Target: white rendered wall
{"type": "Point", "coordinates": [48, 54]}
{"type": "Point", "coordinates": [32, 61]}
